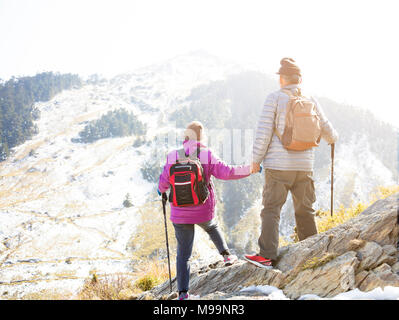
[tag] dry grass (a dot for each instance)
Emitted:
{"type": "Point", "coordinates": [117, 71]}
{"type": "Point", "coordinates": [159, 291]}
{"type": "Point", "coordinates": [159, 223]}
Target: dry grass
{"type": "Point", "coordinates": [125, 286]}
{"type": "Point", "coordinates": [384, 192]}
{"type": "Point", "coordinates": [282, 242]}
{"type": "Point", "coordinates": [325, 221]}
{"type": "Point", "coordinates": [47, 295]}
{"type": "Point", "coordinates": [149, 240]}
{"type": "Point", "coordinates": [108, 287]}
{"type": "Point", "coordinates": [154, 272]}
{"type": "Point", "coordinates": [316, 262]}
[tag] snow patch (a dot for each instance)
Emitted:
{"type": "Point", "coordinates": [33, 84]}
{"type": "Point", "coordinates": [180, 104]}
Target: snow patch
{"type": "Point", "coordinates": [272, 292]}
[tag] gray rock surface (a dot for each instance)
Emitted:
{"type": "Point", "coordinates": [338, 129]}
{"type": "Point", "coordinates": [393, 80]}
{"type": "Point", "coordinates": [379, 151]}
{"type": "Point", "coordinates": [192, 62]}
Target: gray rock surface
{"type": "Point", "coordinates": [362, 253]}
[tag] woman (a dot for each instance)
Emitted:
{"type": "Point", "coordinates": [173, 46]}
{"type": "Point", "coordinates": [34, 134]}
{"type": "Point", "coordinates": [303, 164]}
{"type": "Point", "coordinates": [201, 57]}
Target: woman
{"type": "Point", "coordinates": [185, 218]}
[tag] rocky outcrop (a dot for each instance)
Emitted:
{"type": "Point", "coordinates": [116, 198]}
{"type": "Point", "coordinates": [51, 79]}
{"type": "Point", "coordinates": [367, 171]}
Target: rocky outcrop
{"type": "Point", "coordinates": [361, 253]}
{"type": "Point", "coordinates": [381, 276]}
{"type": "Point", "coordinates": [328, 280]}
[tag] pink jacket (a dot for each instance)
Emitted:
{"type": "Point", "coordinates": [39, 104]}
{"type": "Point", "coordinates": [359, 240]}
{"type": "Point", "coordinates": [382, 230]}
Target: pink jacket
{"type": "Point", "coordinates": [213, 166]}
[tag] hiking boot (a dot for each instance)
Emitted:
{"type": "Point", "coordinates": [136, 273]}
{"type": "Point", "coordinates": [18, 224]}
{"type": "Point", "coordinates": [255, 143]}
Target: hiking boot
{"type": "Point", "coordinates": [259, 261]}
{"type": "Point", "coordinates": [183, 295]}
{"type": "Point", "coordinates": [229, 259]}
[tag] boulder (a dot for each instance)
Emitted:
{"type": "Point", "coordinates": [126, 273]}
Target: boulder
{"type": "Point", "coordinates": [373, 255]}
{"type": "Point", "coordinates": [226, 279]}
{"type": "Point", "coordinates": [381, 276]}
{"type": "Point", "coordinates": [378, 224]}
{"type": "Point", "coordinates": [356, 254]}
{"type": "Point", "coordinates": [328, 280]}
{"type": "Point", "coordinates": [395, 268]}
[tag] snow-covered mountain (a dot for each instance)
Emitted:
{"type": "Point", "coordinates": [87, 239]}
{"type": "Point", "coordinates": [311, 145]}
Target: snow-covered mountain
{"type": "Point", "coordinates": [61, 206]}
{"type": "Point", "coordinates": [62, 201]}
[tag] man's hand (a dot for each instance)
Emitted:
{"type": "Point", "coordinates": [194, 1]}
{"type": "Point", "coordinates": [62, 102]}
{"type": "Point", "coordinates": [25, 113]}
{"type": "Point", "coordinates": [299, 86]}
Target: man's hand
{"type": "Point", "coordinates": [255, 167]}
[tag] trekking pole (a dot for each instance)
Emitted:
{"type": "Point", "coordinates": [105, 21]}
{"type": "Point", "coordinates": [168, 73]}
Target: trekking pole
{"type": "Point", "coordinates": [164, 199]}
{"type": "Point", "coordinates": [332, 178]}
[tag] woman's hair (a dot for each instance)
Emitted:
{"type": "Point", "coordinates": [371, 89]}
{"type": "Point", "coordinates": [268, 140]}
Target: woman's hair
{"type": "Point", "coordinates": [194, 131]}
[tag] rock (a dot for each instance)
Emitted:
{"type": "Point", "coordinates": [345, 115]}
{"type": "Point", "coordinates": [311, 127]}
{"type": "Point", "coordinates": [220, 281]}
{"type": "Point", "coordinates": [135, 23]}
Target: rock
{"type": "Point", "coordinates": [379, 277]}
{"type": "Point", "coordinates": [235, 296]}
{"type": "Point", "coordinates": [369, 255]}
{"type": "Point", "coordinates": [334, 277]}
{"type": "Point", "coordinates": [146, 296]}
{"type": "Point", "coordinates": [356, 254]}
{"type": "Point", "coordinates": [373, 255]}
{"type": "Point", "coordinates": [227, 279]}
{"type": "Point", "coordinates": [378, 223]}
{"type": "Point", "coordinates": [390, 250]}
{"type": "Point", "coordinates": [7, 243]}
{"type": "Point", "coordinates": [172, 296]}
{"type": "Point", "coordinates": [395, 268]}
{"type": "Point", "coordinates": [360, 277]}
{"type": "Point", "coordinates": [31, 260]}
{"type": "Point", "coordinates": [356, 244]}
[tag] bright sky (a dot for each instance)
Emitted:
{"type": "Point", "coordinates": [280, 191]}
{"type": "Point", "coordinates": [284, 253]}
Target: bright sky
{"type": "Point", "coordinates": [347, 49]}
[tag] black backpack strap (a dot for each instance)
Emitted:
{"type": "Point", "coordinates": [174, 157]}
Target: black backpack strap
{"type": "Point", "coordinates": [181, 154]}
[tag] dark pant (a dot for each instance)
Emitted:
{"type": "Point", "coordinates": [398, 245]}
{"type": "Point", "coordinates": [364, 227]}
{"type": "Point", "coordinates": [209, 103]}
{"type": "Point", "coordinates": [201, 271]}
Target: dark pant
{"type": "Point", "coordinates": [185, 238]}
{"type": "Point", "coordinates": [275, 191]}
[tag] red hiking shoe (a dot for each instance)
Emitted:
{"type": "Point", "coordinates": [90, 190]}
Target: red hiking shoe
{"type": "Point", "coordinates": [259, 261]}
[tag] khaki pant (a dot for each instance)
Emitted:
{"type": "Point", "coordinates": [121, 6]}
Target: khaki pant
{"type": "Point", "coordinates": [275, 191]}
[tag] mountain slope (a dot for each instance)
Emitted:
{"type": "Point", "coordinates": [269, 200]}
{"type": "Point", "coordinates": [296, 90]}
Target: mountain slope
{"type": "Point", "coordinates": [63, 201]}
{"type": "Point", "coordinates": [61, 206]}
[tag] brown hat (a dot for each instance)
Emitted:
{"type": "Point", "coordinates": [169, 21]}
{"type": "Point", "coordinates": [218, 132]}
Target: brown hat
{"type": "Point", "coordinates": [289, 67]}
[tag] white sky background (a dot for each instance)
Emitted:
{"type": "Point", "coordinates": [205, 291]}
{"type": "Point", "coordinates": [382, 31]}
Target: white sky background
{"type": "Point", "coordinates": [347, 50]}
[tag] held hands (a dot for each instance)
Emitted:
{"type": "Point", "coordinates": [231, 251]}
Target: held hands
{"type": "Point", "coordinates": [256, 167]}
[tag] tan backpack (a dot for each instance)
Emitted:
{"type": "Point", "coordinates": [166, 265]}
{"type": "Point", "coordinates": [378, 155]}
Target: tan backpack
{"type": "Point", "coordinates": [302, 124]}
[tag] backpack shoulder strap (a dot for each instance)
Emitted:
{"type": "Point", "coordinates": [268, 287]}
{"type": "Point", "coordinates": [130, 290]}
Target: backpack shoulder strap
{"type": "Point", "coordinates": [298, 92]}
{"type": "Point", "coordinates": [290, 95]}
{"type": "Point", "coordinates": [180, 155]}
{"type": "Point", "coordinates": [288, 92]}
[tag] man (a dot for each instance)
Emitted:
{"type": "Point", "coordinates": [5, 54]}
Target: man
{"type": "Point", "coordinates": [285, 170]}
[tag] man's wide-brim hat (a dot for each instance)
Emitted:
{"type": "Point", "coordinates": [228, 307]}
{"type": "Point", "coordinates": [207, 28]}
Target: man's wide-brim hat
{"type": "Point", "coordinates": [289, 67]}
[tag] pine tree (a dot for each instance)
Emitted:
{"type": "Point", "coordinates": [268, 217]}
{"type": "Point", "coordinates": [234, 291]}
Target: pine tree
{"type": "Point", "coordinates": [127, 203]}
{"type": "Point", "coordinates": [17, 99]}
